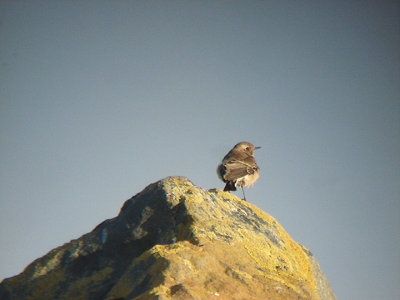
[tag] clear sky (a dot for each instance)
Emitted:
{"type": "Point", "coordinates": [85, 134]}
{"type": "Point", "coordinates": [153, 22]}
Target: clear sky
{"type": "Point", "coordinates": [98, 99]}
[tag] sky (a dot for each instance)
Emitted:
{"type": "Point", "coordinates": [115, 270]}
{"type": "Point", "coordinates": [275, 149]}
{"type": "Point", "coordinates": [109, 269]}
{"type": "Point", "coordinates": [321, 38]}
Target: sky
{"type": "Point", "coordinates": [98, 99]}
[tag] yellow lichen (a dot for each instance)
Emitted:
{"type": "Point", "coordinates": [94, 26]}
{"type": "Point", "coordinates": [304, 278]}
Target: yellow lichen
{"type": "Point", "coordinates": [227, 249]}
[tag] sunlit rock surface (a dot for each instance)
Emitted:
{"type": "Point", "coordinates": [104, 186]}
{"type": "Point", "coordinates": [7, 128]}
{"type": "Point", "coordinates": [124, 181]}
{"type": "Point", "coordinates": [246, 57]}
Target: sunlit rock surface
{"type": "Point", "coordinates": [174, 240]}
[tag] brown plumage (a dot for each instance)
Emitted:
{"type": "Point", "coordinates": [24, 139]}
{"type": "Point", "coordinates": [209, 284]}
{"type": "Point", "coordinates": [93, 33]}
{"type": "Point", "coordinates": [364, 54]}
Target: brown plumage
{"type": "Point", "coordinates": [239, 167]}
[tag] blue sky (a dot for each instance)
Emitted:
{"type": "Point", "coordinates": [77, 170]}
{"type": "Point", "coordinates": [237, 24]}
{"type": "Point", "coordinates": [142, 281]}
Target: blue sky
{"type": "Point", "coordinates": [98, 99]}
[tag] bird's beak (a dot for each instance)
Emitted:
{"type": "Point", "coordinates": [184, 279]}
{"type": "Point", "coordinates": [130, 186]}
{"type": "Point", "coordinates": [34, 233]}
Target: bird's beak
{"type": "Point", "coordinates": [257, 147]}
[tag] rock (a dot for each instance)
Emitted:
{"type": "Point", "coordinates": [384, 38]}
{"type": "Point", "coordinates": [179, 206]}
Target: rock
{"type": "Point", "coordinates": [174, 240]}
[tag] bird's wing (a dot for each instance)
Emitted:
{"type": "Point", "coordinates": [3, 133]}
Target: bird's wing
{"type": "Point", "coordinates": [237, 169]}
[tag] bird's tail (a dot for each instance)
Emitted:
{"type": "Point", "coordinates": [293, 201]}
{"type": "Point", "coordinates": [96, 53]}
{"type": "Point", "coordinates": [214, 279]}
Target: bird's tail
{"type": "Point", "coordinates": [230, 186]}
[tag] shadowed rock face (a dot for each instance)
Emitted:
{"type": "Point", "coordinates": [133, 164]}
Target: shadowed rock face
{"type": "Point", "coordinates": [174, 240]}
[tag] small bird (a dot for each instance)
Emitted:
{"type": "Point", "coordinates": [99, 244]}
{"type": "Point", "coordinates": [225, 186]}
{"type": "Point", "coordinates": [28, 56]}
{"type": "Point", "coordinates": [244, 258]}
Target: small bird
{"type": "Point", "coordinates": [239, 168]}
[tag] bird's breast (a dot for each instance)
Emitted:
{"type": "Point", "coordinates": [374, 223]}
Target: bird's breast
{"type": "Point", "coordinates": [248, 180]}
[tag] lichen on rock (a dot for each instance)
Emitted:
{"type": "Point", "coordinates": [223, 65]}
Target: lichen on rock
{"type": "Point", "coordinates": [174, 240]}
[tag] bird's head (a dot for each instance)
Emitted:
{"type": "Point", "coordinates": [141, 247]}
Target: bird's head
{"type": "Point", "coordinates": [245, 147]}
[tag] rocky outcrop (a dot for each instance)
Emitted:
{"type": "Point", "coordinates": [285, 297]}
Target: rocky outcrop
{"type": "Point", "coordinates": [174, 240]}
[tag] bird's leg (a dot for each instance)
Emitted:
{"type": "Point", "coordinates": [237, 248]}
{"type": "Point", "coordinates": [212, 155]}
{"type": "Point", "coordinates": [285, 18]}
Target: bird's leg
{"type": "Point", "coordinates": [244, 196]}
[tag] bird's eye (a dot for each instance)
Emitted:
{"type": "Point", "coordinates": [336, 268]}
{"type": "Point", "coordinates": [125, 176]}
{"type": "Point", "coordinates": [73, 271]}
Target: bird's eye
{"type": "Point", "coordinates": [247, 148]}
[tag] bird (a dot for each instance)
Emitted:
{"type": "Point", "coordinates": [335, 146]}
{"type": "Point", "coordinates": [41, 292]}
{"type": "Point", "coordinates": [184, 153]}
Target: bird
{"type": "Point", "coordinates": [239, 167]}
